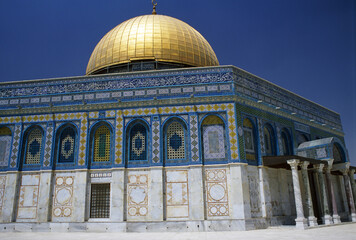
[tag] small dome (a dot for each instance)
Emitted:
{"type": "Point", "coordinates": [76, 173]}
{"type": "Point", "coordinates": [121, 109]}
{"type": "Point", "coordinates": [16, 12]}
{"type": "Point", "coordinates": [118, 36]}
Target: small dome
{"type": "Point", "coordinates": [152, 38]}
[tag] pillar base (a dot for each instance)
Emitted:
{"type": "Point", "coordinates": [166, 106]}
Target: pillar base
{"type": "Point", "coordinates": [301, 223]}
{"type": "Point", "coordinates": [353, 217]}
{"type": "Point", "coordinates": [336, 219]}
{"type": "Point", "coordinates": [328, 220]}
{"type": "Point", "coordinates": [313, 221]}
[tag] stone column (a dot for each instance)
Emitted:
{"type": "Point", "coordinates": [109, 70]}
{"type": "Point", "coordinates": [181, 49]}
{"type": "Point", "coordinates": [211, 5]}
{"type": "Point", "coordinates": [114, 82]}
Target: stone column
{"type": "Point", "coordinates": [324, 196]}
{"type": "Point", "coordinates": [336, 217]}
{"type": "Point", "coordinates": [301, 221]}
{"type": "Point", "coordinates": [309, 202]}
{"type": "Point", "coordinates": [353, 184]}
{"type": "Point", "coordinates": [350, 198]}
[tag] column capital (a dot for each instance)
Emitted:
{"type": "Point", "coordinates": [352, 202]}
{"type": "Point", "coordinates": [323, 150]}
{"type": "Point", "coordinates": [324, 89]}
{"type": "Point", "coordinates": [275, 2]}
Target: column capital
{"type": "Point", "coordinates": [294, 163]}
{"type": "Point", "coordinates": [319, 167]}
{"type": "Point", "coordinates": [344, 171]}
{"type": "Point", "coordinates": [305, 165]}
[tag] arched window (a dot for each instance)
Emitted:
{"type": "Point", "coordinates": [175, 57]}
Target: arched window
{"type": "Point", "coordinates": [269, 139]}
{"type": "Point", "coordinates": [5, 145]}
{"type": "Point", "coordinates": [101, 144]}
{"type": "Point", "coordinates": [138, 143]}
{"type": "Point", "coordinates": [249, 139]}
{"type": "Point", "coordinates": [286, 142]}
{"type": "Point", "coordinates": [175, 141]}
{"type": "Point", "coordinates": [301, 137]}
{"type": "Point", "coordinates": [33, 146]}
{"type": "Point", "coordinates": [213, 134]}
{"type": "Point", "coordinates": [66, 144]}
{"type": "Point", "coordinates": [338, 154]}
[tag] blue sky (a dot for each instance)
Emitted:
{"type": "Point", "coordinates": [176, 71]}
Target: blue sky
{"type": "Point", "coordinates": [305, 46]}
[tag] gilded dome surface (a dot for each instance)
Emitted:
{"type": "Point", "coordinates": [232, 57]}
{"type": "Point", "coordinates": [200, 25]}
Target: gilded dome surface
{"type": "Point", "coordinates": [152, 37]}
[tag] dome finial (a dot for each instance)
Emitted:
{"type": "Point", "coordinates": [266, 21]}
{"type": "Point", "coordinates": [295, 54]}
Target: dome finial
{"type": "Point", "coordinates": [154, 3]}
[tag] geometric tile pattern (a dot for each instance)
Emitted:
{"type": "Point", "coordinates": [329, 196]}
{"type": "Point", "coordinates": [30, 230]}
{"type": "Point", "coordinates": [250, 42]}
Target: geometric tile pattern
{"type": "Point", "coordinates": [255, 202]}
{"type": "Point", "coordinates": [15, 146]}
{"type": "Point", "coordinates": [83, 138]}
{"type": "Point", "coordinates": [260, 133]}
{"type": "Point", "coordinates": [156, 131]}
{"type": "Point", "coordinates": [48, 146]}
{"type": "Point", "coordinates": [177, 200]}
{"type": "Point", "coordinates": [119, 138]}
{"type": "Point", "coordinates": [102, 144]}
{"type": "Point", "coordinates": [28, 197]}
{"type": "Point", "coordinates": [5, 146]}
{"type": "Point", "coordinates": [34, 147]}
{"type": "Point", "coordinates": [213, 141]}
{"type": "Point", "coordinates": [67, 145]}
{"type": "Point", "coordinates": [231, 119]}
{"type": "Point", "coordinates": [138, 142]}
{"type": "Point", "coordinates": [194, 142]}
{"type": "Point", "coordinates": [175, 141]}
{"type": "Point", "coordinates": [137, 195]}
{"type": "Point", "coordinates": [2, 191]}
{"type": "Point", "coordinates": [216, 192]}
{"type": "Point", "coordinates": [63, 197]}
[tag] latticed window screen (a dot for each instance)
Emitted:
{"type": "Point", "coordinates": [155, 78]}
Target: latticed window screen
{"type": "Point", "coordinates": [213, 129]}
{"type": "Point", "coordinates": [175, 141]}
{"type": "Point", "coordinates": [138, 143]}
{"type": "Point", "coordinates": [100, 201]}
{"type": "Point", "coordinates": [67, 146]}
{"type": "Point", "coordinates": [249, 139]}
{"type": "Point", "coordinates": [34, 147]}
{"type": "Point", "coordinates": [102, 144]}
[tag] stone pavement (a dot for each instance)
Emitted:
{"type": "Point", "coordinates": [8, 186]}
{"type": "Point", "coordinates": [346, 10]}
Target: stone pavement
{"type": "Point", "coordinates": [344, 231]}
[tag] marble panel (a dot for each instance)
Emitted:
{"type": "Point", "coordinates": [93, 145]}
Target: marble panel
{"type": "Point", "coordinates": [63, 197]}
{"type": "Point", "coordinates": [137, 196]}
{"type": "Point", "coordinates": [216, 192]}
{"type": "Point", "coordinates": [177, 200]}
{"type": "Point", "coordinates": [28, 197]}
{"type": "Point", "coordinates": [2, 192]}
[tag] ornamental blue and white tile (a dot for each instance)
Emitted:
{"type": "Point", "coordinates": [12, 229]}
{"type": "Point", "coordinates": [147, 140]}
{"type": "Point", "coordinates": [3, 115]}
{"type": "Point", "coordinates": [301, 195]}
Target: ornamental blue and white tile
{"type": "Point", "coordinates": [175, 141]}
{"type": "Point", "coordinates": [5, 146]}
{"type": "Point", "coordinates": [213, 142]}
{"type": "Point", "coordinates": [138, 143]}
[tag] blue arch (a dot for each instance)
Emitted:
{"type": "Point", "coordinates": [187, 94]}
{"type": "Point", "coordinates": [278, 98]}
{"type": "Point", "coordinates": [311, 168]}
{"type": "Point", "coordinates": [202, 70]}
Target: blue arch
{"type": "Point", "coordinates": [62, 127]}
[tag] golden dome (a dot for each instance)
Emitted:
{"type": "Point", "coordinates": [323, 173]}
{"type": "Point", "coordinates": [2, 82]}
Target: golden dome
{"type": "Point", "coordinates": [152, 37]}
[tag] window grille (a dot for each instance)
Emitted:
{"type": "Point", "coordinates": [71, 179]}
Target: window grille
{"type": "Point", "coordinates": [67, 146]}
{"type": "Point", "coordinates": [34, 147]}
{"type": "Point", "coordinates": [175, 141]}
{"type": "Point", "coordinates": [100, 201]}
{"type": "Point", "coordinates": [102, 144]}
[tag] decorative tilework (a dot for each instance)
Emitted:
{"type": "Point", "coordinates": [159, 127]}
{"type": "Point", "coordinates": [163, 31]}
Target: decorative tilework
{"type": "Point", "coordinates": [231, 119]}
{"type": "Point", "coordinates": [260, 134]}
{"type": "Point", "coordinates": [15, 146]}
{"type": "Point", "coordinates": [216, 192]}
{"type": "Point", "coordinates": [48, 146]}
{"type": "Point", "coordinates": [156, 131]}
{"type": "Point", "coordinates": [138, 142]}
{"type": "Point", "coordinates": [2, 192]}
{"type": "Point", "coordinates": [5, 146]}
{"type": "Point", "coordinates": [249, 139]}
{"type": "Point", "coordinates": [194, 142]}
{"type": "Point", "coordinates": [213, 142]}
{"type": "Point", "coordinates": [34, 147]}
{"type": "Point", "coordinates": [83, 138]}
{"type": "Point", "coordinates": [177, 200]}
{"type": "Point", "coordinates": [63, 197]}
{"type": "Point", "coordinates": [67, 145]}
{"type": "Point", "coordinates": [28, 197]}
{"type": "Point", "coordinates": [254, 187]}
{"type": "Point", "coordinates": [175, 141]}
{"type": "Point", "coordinates": [137, 195]}
{"type": "Point", "coordinates": [118, 140]}
{"type": "Point", "coordinates": [102, 144]}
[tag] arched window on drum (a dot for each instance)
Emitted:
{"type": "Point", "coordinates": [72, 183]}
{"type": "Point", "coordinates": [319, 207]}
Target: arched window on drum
{"type": "Point", "coordinates": [213, 139]}
{"type": "Point", "coordinates": [5, 146]}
